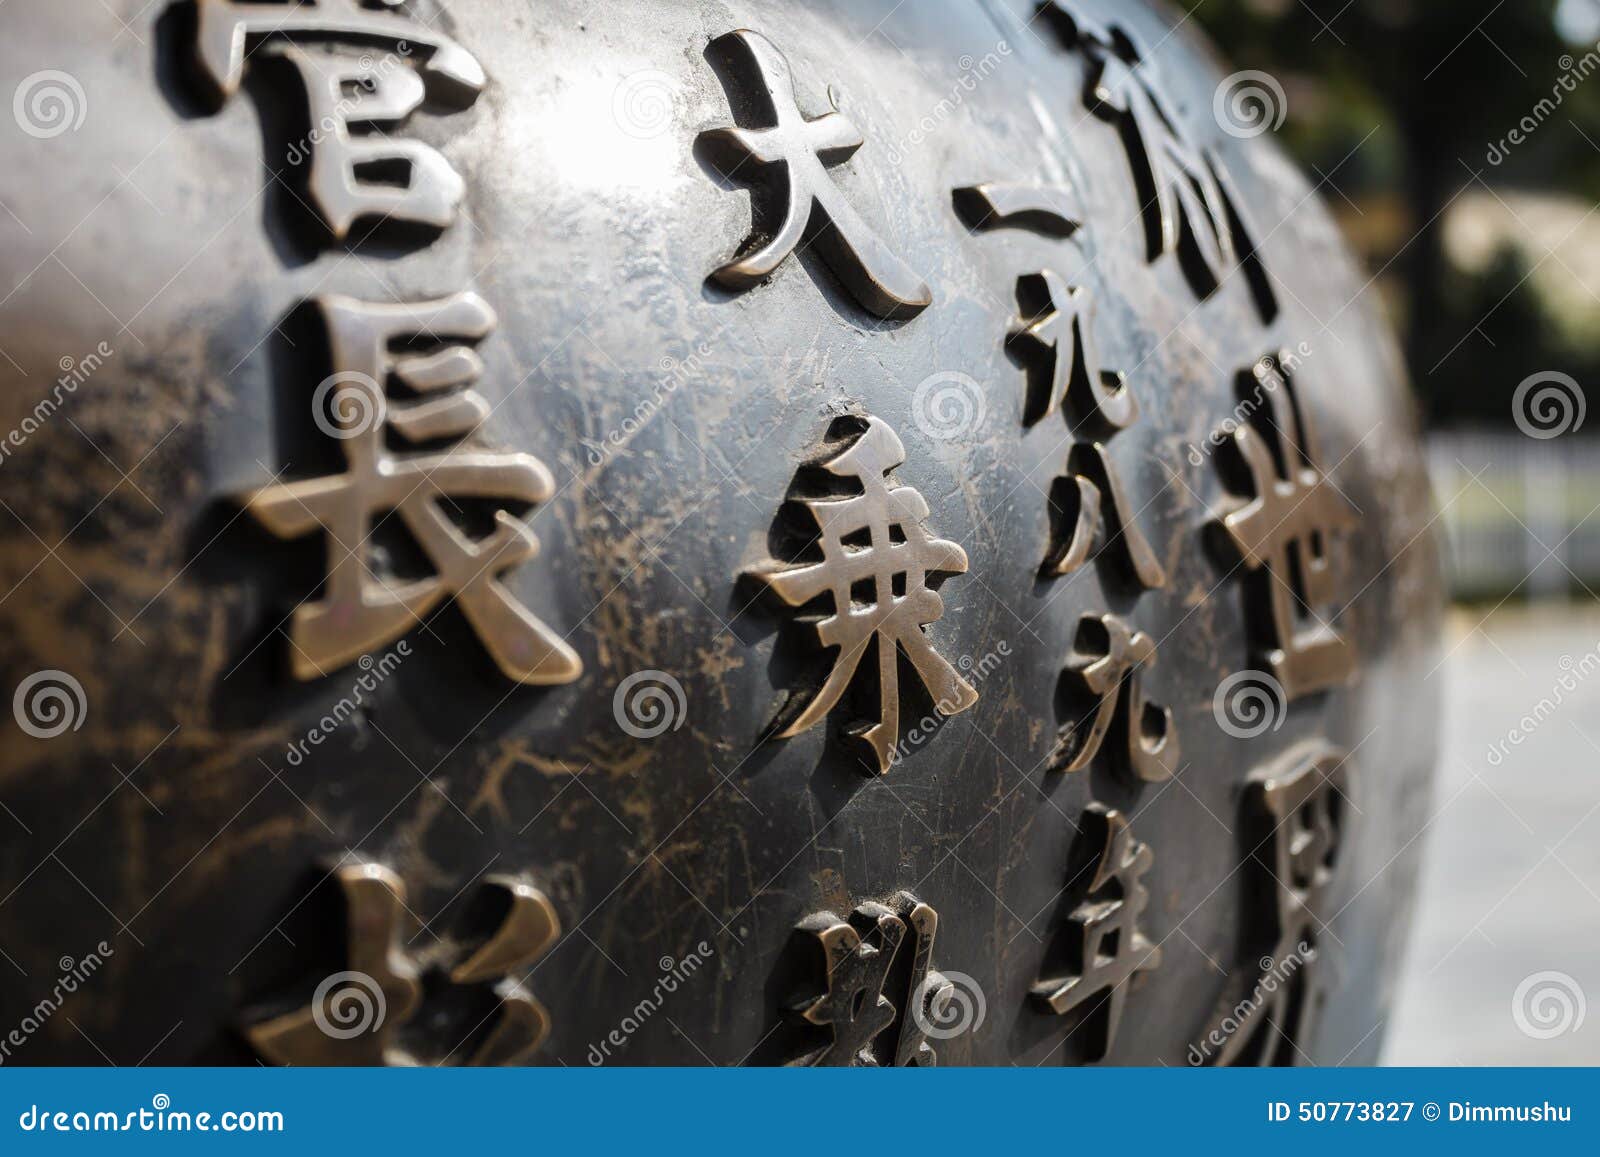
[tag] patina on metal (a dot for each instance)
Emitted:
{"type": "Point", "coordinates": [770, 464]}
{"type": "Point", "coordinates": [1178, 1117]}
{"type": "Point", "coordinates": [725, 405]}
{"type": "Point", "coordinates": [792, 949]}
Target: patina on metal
{"type": "Point", "coordinates": [510, 471]}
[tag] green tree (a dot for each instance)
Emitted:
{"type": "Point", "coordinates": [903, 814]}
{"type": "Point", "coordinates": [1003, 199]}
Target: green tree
{"type": "Point", "coordinates": [1425, 92]}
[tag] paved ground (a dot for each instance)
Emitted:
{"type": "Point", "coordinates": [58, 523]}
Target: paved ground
{"type": "Point", "coordinates": [1511, 884]}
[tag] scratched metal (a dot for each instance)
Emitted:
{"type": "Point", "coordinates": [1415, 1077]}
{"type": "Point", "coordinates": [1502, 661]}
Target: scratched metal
{"type": "Point", "coordinates": [189, 818]}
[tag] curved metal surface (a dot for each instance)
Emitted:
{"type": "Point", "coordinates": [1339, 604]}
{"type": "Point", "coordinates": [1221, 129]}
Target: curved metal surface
{"type": "Point", "coordinates": [816, 490]}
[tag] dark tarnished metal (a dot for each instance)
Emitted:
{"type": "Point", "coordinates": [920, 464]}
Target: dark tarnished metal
{"type": "Point", "coordinates": [251, 633]}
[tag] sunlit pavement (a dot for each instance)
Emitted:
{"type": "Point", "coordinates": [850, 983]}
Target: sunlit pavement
{"type": "Point", "coordinates": [1511, 878]}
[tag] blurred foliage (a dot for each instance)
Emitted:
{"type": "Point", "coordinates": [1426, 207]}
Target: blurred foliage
{"type": "Point", "coordinates": [1404, 109]}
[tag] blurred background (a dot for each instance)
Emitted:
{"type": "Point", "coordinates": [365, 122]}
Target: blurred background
{"type": "Point", "coordinates": [1458, 143]}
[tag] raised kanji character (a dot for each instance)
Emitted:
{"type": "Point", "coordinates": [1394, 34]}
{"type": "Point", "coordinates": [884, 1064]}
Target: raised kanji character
{"type": "Point", "coordinates": [360, 609]}
{"type": "Point", "coordinates": [1106, 948]}
{"type": "Point", "coordinates": [855, 967]}
{"type": "Point", "coordinates": [877, 559]}
{"type": "Point", "coordinates": [349, 93]}
{"type": "Point", "coordinates": [1089, 506]}
{"type": "Point", "coordinates": [431, 190]}
{"type": "Point", "coordinates": [1049, 210]}
{"type": "Point", "coordinates": [355, 1016]}
{"type": "Point", "coordinates": [1091, 513]}
{"type": "Point", "coordinates": [1282, 535]}
{"type": "Point", "coordinates": [1055, 339]}
{"type": "Point", "coordinates": [1183, 191]}
{"type": "Point", "coordinates": [1106, 667]}
{"type": "Point", "coordinates": [859, 957]}
{"type": "Point", "coordinates": [790, 155]}
{"type": "Point", "coordinates": [1294, 815]}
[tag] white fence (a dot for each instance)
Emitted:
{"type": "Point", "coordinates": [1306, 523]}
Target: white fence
{"type": "Point", "coordinates": [1521, 516]}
